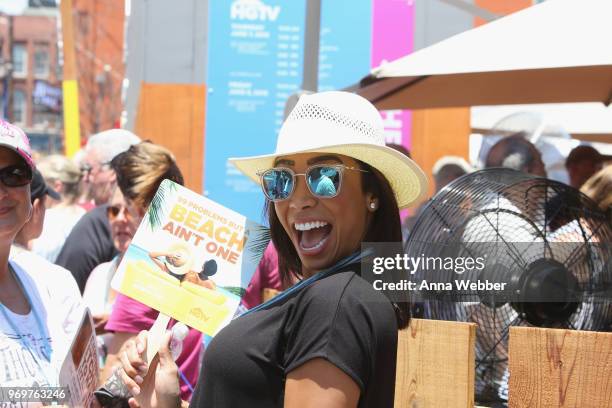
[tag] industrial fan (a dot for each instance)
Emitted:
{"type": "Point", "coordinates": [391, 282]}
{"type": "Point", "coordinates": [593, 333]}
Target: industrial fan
{"type": "Point", "coordinates": [544, 243]}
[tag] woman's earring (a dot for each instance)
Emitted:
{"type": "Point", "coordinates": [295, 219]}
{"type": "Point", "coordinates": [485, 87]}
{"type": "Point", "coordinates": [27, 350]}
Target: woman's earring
{"type": "Point", "coordinates": [373, 205]}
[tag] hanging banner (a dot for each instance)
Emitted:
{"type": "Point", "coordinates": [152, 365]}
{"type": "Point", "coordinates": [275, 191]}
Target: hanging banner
{"type": "Point", "coordinates": [255, 59]}
{"type": "Point", "coordinates": [345, 43]}
{"type": "Point", "coordinates": [255, 52]}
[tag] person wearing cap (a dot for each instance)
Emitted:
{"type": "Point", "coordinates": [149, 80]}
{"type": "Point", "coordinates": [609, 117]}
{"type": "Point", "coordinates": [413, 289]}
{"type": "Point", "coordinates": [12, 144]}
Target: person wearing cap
{"type": "Point", "coordinates": [518, 153]}
{"type": "Point", "coordinates": [330, 340]}
{"type": "Point", "coordinates": [65, 176]}
{"type": "Point", "coordinates": [445, 170]}
{"type": "Point", "coordinates": [39, 191]}
{"type": "Point", "coordinates": [583, 162]}
{"type": "Point", "coordinates": [40, 308]}
{"type": "Point", "coordinates": [449, 168]}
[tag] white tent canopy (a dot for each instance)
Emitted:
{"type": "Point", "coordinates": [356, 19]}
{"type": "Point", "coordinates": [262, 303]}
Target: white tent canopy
{"type": "Point", "coordinates": [573, 118]}
{"type": "Point", "coordinates": [13, 7]}
{"type": "Point", "coordinates": [556, 51]}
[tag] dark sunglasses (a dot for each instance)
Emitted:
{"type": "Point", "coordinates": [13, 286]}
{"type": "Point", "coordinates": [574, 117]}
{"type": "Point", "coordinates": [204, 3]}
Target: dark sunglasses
{"type": "Point", "coordinates": [17, 175]}
{"type": "Point", "coordinates": [323, 181]}
{"type": "Point", "coordinates": [113, 211]}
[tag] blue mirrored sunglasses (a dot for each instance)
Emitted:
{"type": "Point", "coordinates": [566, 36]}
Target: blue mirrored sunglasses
{"type": "Point", "coordinates": [323, 181]}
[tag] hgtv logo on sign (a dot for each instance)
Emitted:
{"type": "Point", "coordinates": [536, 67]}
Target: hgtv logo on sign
{"type": "Point", "coordinates": [253, 10]}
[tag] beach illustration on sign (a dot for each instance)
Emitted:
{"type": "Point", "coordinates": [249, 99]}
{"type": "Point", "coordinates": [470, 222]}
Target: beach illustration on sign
{"type": "Point", "coordinates": [177, 261]}
{"type": "Point", "coordinates": [191, 259]}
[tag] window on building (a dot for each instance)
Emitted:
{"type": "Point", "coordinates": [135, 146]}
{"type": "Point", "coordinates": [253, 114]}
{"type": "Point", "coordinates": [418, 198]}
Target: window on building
{"type": "Point", "coordinates": [41, 61]}
{"type": "Point", "coordinates": [42, 3]}
{"type": "Point", "coordinates": [19, 107]}
{"type": "Point", "coordinates": [40, 120]}
{"type": "Point", "coordinates": [20, 60]}
{"type": "Point", "coordinates": [43, 118]}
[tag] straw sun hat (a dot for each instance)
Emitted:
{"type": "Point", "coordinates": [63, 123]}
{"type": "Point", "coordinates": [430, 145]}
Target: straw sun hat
{"type": "Point", "coordinates": [346, 124]}
{"type": "Point", "coordinates": [182, 259]}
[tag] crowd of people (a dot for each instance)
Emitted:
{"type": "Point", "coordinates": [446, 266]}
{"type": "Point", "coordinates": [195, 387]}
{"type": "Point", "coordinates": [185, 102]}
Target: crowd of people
{"type": "Point", "coordinates": [328, 338]}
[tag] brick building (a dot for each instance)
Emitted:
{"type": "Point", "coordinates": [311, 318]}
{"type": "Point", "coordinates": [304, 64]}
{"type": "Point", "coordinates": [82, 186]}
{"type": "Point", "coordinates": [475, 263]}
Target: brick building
{"type": "Point", "coordinates": [31, 71]}
{"type": "Point", "coordinates": [31, 76]}
{"type": "Point", "coordinates": [99, 49]}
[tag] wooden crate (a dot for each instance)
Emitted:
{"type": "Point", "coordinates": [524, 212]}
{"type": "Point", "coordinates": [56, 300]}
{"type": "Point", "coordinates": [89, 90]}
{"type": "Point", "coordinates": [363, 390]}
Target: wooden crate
{"type": "Point", "coordinates": [548, 367]}
{"type": "Point", "coordinates": [435, 365]}
{"type": "Point", "coordinates": [560, 368]}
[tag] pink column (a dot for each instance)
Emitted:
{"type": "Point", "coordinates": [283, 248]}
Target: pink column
{"type": "Point", "coordinates": [392, 38]}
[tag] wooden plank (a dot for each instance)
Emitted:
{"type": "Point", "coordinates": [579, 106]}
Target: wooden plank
{"type": "Point", "coordinates": [437, 133]}
{"type": "Point", "coordinates": [593, 137]}
{"type": "Point", "coordinates": [560, 368]}
{"type": "Point", "coordinates": [173, 115]}
{"type": "Point", "coordinates": [435, 365]}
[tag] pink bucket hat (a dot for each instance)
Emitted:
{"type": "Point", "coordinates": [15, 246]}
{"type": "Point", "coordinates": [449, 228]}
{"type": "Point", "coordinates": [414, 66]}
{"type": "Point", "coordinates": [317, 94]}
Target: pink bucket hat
{"type": "Point", "coordinates": [15, 139]}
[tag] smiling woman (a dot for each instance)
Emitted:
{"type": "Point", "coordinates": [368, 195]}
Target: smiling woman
{"type": "Point", "coordinates": [39, 302]}
{"type": "Point", "coordinates": [331, 339]}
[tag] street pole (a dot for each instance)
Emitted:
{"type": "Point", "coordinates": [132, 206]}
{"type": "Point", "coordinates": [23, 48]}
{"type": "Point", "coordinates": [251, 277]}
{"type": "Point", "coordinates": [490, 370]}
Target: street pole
{"type": "Point", "coordinates": [70, 87]}
{"type": "Point", "coordinates": [9, 71]}
{"type": "Point", "coordinates": [310, 78]}
{"type": "Point", "coordinates": [310, 75]}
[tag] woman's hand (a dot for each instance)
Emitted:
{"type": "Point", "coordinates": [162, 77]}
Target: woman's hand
{"type": "Point", "coordinates": [100, 321]}
{"type": "Point", "coordinates": [154, 385]}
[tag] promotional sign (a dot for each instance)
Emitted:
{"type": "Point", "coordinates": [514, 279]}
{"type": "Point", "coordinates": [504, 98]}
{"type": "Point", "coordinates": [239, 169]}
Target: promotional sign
{"type": "Point", "coordinates": [79, 372]}
{"type": "Point", "coordinates": [47, 96]}
{"type": "Point", "coordinates": [254, 65]}
{"type": "Point", "coordinates": [191, 258]}
{"type": "Point", "coordinates": [255, 62]}
{"type": "Point", "coordinates": [345, 43]}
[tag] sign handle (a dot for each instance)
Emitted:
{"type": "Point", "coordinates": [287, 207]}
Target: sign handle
{"type": "Point", "coordinates": [156, 334]}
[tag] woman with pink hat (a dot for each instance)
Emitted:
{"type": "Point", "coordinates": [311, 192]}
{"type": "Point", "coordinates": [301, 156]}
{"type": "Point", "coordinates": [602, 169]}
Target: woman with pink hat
{"type": "Point", "coordinates": [40, 307]}
{"type": "Point", "coordinates": [331, 339]}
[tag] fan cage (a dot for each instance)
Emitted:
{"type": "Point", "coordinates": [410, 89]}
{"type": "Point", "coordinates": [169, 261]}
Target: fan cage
{"type": "Point", "coordinates": [522, 219]}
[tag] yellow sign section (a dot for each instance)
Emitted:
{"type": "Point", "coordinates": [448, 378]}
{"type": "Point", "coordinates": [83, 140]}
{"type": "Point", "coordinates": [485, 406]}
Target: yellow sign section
{"type": "Point", "coordinates": [198, 307]}
{"type": "Point", "coordinates": [72, 130]}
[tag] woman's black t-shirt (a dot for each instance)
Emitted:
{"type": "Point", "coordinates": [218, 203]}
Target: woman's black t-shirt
{"type": "Point", "coordinates": [340, 318]}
